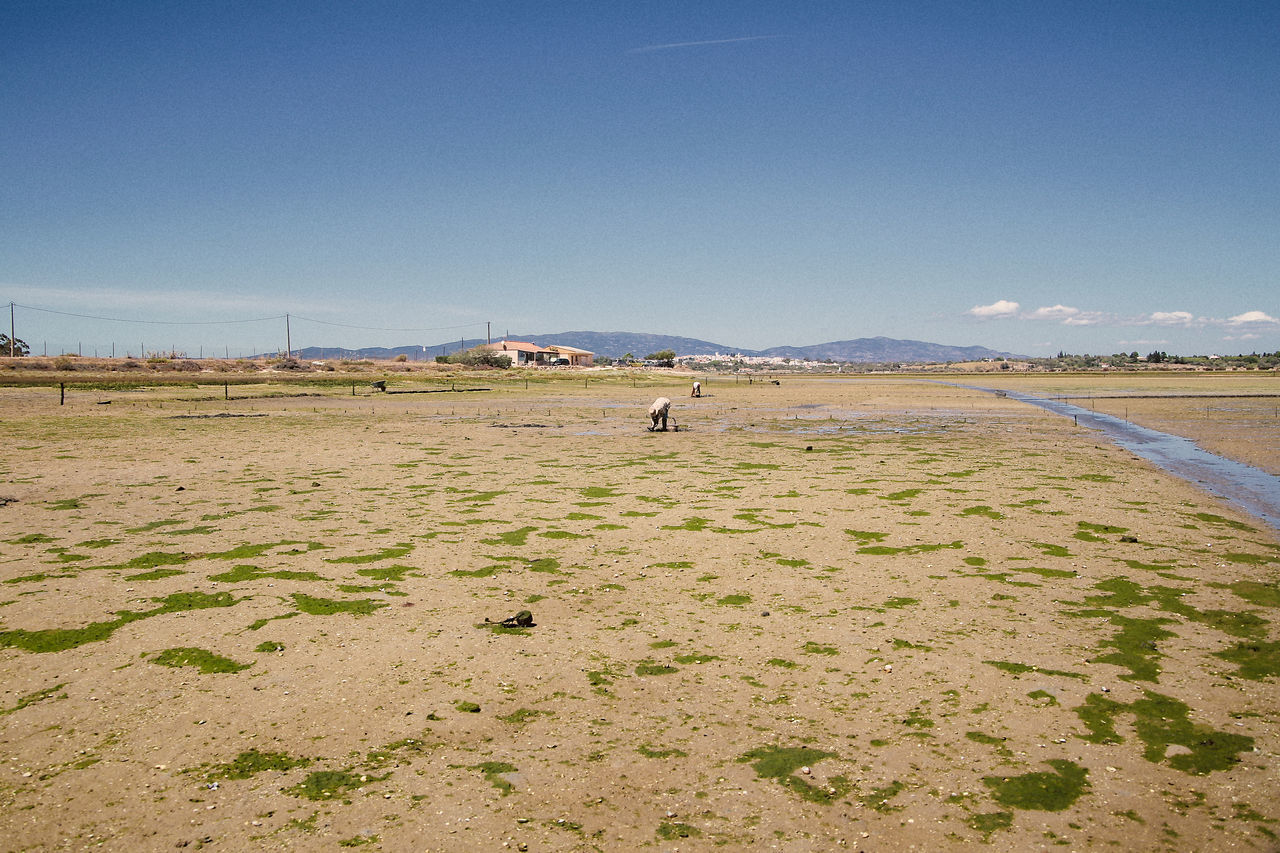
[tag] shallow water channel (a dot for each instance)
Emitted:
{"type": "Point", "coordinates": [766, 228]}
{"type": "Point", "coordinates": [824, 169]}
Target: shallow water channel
{"type": "Point", "coordinates": [1248, 488]}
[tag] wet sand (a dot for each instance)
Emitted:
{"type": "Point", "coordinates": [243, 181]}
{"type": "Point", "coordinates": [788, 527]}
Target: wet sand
{"type": "Point", "coordinates": [858, 615]}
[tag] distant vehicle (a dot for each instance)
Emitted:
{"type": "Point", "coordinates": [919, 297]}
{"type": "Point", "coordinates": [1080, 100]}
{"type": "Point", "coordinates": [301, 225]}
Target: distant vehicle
{"type": "Point", "coordinates": [561, 362]}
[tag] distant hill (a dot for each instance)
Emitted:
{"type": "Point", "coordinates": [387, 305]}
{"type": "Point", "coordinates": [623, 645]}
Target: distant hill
{"type": "Point", "coordinates": [618, 344]}
{"type": "Point", "coordinates": [883, 349]}
{"type": "Point", "coordinates": [879, 349]}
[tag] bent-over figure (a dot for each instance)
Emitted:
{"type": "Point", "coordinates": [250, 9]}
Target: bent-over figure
{"type": "Point", "coordinates": [697, 390]}
{"type": "Point", "coordinates": [658, 412]}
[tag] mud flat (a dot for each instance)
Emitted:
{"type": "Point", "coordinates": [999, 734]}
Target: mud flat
{"type": "Point", "coordinates": [868, 614]}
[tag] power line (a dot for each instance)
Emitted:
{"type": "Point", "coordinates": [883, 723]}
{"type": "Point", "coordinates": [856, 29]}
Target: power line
{"type": "Point", "coordinates": [383, 328]}
{"type": "Point", "coordinates": [249, 320]}
{"type": "Point", "coordinates": [149, 322]}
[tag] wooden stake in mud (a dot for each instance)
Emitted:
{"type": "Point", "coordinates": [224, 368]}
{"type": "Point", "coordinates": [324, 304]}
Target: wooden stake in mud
{"type": "Point", "coordinates": [226, 390]}
{"type": "Point", "coordinates": [62, 393]}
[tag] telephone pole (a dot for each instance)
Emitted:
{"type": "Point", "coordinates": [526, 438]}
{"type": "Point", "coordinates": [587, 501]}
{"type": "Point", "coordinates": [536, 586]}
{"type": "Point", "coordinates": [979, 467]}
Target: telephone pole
{"type": "Point", "coordinates": [288, 342]}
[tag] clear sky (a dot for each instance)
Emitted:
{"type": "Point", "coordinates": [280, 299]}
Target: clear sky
{"type": "Point", "coordinates": [1028, 176]}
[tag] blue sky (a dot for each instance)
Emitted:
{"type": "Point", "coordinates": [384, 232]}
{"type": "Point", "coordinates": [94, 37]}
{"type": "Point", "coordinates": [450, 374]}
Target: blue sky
{"type": "Point", "coordinates": [1033, 177]}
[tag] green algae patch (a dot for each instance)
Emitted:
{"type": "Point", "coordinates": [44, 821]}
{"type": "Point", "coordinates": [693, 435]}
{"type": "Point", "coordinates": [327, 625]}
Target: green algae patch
{"type": "Point", "coordinates": [878, 798]}
{"type": "Point", "coordinates": [153, 560]}
{"type": "Point", "coordinates": [1043, 791]}
{"type": "Point", "coordinates": [781, 763]}
{"type": "Point", "coordinates": [1246, 559]}
{"type": "Point", "coordinates": [390, 573]}
{"type": "Point", "coordinates": [487, 571]}
{"type": "Point", "coordinates": [1161, 722]}
{"type": "Point", "coordinates": [651, 668]}
{"type": "Point", "coordinates": [33, 698]}
{"type": "Point", "coordinates": [990, 740]}
{"type": "Point", "coordinates": [904, 495]}
{"type": "Point", "coordinates": [514, 538]}
{"type": "Point", "coordinates": [252, 762]}
{"type": "Point", "coordinates": [31, 539]}
{"type": "Point", "coordinates": [268, 647]}
{"type": "Point", "coordinates": [327, 784]}
{"type": "Point", "coordinates": [494, 773]}
{"type": "Point", "coordinates": [887, 550]}
{"type": "Point", "coordinates": [257, 624]}
{"type": "Point", "coordinates": [598, 492]}
{"type": "Point", "coordinates": [653, 752]}
{"type": "Point", "coordinates": [671, 830]}
{"type": "Point", "coordinates": [865, 536]}
{"type": "Point", "coordinates": [562, 534]}
{"type": "Point", "coordinates": [1020, 668]}
{"type": "Point", "coordinates": [328, 606]}
{"type": "Point", "coordinates": [1134, 645]}
{"type": "Point", "coordinates": [520, 716]}
{"type": "Point", "coordinates": [985, 511]}
{"type": "Point", "coordinates": [989, 823]}
{"type": "Point", "coordinates": [247, 552]}
{"type": "Point", "coordinates": [1256, 661]}
{"type": "Point", "coordinates": [61, 639]}
{"type": "Point", "coordinates": [392, 553]}
{"type": "Point", "coordinates": [243, 573]}
{"type": "Point", "coordinates": [696, 658]}
{"type": "Point", "coordinates": [206, 662]}
{"type": "Point", "coordinates": [1210, 518]}
{"type": "Point", "coordinates": [155, 575]}
{"type": "Point", "coordinates": [735, 600]}
{"type": "Point", "coordinates": [1261, 594]}
{"type": "Point", "coordinates": [694, 524]}
{"type": "Point", "coordinates": [900, 601]}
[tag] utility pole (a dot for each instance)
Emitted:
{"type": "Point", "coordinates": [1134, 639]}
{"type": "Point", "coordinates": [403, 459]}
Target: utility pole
{"type": "Point", "coordinates": [288, 343]}
{"type": "Point", "coordinates": [488, 335]}
{"type": "Point", "coordinates": [11, 332]}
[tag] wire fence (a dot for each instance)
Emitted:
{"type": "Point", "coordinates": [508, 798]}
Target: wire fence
{"type": "Point", "coordinates": [272, 336]}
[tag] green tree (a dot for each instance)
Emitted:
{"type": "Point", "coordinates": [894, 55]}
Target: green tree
{"type": "Point", "coordinates": [662, 355]}
{"type": "Point", "coordinates": [20, 347]}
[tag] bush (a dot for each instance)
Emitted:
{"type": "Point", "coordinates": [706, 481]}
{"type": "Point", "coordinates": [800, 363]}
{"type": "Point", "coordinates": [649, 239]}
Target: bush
{"type": "Point", "coordinates": [478, 357]}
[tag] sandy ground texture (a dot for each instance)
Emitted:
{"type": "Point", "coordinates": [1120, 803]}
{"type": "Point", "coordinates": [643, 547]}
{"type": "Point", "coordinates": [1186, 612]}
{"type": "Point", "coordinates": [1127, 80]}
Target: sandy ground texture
{"type": "Point", "coordinates": [871, 615]}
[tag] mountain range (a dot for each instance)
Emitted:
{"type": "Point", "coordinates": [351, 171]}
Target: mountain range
{"type": "Point", "coordinates": [619, 344]}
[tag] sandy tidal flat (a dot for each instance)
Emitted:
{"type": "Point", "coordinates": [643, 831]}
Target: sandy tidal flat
{"type": "Point", "coordinates": [875, 614]}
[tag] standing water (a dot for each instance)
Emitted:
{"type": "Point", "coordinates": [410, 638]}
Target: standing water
{"type": "Point", "coordinates": [1249, 488]}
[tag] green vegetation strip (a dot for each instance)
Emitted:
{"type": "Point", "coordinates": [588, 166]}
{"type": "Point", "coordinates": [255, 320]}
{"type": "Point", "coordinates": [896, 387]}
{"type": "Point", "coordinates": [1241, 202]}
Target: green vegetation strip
{"type": "Point", "coordinates": [61, 639]}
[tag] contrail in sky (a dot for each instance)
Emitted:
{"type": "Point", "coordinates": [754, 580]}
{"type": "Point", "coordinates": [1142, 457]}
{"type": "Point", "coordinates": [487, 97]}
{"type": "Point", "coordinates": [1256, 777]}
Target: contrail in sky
{"type": "Point", "coordinates": [673, 45]}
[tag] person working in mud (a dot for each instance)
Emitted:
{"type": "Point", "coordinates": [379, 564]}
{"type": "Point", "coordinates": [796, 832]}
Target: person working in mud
{"type": "Point", "coordinates": [697, 390]}
{"type": "Point", "coordinates": [658, 412]}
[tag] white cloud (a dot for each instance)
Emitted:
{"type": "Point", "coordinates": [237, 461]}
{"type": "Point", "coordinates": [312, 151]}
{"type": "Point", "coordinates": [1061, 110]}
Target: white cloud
{"type": "Point", "coordinates": [1170, 318]}
{"type": "Point", "coordinates": [1002, 308]}
{"type": "Point", "coordinates": [1251, 317]}
{"type": "Point", "coordinates": [1088, 318]}
{"type": "Point", "coordinates": [1055, 312]}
